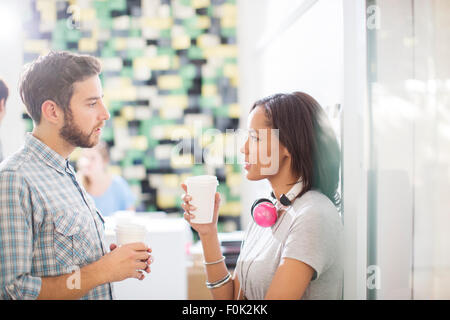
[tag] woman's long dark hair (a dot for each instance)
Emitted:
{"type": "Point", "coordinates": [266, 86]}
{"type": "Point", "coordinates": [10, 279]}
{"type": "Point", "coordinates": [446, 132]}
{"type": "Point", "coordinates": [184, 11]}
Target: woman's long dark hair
{"type": "Point", "coordinates": [305, 131]}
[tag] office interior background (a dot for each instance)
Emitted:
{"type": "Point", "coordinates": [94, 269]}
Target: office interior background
{"type": "Point", "coordinates": [380, 69]}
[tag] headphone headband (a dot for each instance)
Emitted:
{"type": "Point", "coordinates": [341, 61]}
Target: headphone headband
{"type": "Point", "coordinates": [287, 198]}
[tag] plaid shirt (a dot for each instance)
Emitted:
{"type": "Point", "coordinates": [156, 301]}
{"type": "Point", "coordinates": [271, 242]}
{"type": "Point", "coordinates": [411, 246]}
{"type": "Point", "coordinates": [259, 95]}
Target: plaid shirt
{"type": "Point", "coordinates": [49, 226]}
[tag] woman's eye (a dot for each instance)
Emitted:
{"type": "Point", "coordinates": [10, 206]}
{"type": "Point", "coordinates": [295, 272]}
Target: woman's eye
{"type": "Point", "coordinates": [254, 138]}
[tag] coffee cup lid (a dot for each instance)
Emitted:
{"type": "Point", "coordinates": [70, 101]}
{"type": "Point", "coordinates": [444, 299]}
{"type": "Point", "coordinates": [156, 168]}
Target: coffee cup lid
{"type": "Point", "coordinates": [203, 179]}
{"type": "Point", "coordinates": [130, 227]}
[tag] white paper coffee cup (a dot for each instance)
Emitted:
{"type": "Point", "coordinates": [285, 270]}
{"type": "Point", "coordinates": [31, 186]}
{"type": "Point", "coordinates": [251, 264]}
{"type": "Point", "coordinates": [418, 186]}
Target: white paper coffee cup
{"type": "Point", "coordinates": [129, 233]}
{"type": "Point", "coordinates": [202, 189]}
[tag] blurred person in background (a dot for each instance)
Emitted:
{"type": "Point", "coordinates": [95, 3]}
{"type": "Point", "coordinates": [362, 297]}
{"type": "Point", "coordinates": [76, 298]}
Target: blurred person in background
{"type": "Point", "coordinates": [4, 92]}
{"type": "Point", "coordinates": [110, 192]}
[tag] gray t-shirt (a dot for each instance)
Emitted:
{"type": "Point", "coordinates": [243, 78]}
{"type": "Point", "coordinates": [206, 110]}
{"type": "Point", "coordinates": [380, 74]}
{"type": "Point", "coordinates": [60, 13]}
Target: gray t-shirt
{"type": "Point", "coordinates": [310, 231]}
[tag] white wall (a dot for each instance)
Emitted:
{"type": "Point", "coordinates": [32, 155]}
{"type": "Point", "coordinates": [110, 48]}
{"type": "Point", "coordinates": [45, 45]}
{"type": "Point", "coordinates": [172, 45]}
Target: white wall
{"type": "Point", "coordinates": [11, 61]}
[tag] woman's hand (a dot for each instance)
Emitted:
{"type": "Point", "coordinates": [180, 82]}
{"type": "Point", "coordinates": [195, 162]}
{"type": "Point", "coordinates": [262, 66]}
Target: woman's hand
{"type": "Point", "coordinates": [189, 213]}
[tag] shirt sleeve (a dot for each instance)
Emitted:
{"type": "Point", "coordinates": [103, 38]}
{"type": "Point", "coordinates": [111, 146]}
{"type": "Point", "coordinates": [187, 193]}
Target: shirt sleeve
{"type": "Point", "coordinates": [16, 240]}
{"type": "Point", "coordinates": [310, 240]}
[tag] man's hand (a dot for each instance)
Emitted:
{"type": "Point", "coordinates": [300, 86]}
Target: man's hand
{"type": "Point", "coordinates": [127, 261]}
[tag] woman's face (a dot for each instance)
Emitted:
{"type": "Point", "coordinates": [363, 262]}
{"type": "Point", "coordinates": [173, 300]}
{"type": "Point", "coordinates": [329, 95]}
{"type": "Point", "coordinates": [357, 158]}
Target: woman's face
{"type": "Point", "coordinates": [90, 162]}
{"type": "Point", "coordinates": [262, 149]}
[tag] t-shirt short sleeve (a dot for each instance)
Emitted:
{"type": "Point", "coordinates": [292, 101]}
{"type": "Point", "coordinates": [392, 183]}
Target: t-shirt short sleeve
{"type": "Point", "coordinates": [310, 240]}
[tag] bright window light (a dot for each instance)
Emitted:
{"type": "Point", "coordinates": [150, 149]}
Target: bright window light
{"type": "Point", "coordinates": [10, 21]}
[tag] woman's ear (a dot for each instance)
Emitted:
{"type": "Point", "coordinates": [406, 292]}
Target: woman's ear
{"type": "Point", "coordinates": [284, 152]}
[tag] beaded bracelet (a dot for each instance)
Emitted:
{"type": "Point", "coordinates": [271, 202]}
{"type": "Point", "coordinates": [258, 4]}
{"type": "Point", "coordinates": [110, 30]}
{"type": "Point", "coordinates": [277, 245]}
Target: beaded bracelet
{"type": "Point", "coordinates": [219, 283]}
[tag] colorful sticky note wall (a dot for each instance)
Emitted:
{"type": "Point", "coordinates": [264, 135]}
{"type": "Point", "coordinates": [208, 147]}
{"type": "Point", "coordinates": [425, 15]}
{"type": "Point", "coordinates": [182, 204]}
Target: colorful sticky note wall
{"type": "Point", "coordinates": [169, 75]}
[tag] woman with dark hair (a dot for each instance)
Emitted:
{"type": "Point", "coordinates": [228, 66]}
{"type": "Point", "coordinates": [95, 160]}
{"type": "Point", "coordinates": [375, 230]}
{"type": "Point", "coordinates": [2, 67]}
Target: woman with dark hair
{"type": "Point", "coordinates": [292, 248]}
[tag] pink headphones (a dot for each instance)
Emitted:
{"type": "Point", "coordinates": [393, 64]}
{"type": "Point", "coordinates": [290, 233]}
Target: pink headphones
{"type": "Point", "coordinates": [264, 211]}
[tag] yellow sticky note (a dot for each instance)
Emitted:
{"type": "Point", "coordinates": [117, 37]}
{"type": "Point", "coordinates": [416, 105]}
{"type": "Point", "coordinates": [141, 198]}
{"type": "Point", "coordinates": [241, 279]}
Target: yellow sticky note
{"type": "Point", "coordinates": [222, 51]}
{"type": "Point", "coordinates": [200, 3]}
{"type": "Point", "coordinates": [180, 101]}
{"type": "Point", "coordinates": [87, 45]}
{"type": "Point", "coordinates": [234, 179]}
{"type": "Point", "coordinates": [87, 14]}
{"type": "Point", "coordinates": [228, 10]}
{"type": "Point", "coordinates": [171, 180]}
{"type": "Point", "coordinates": [169, 82]}
{"type": "Point", "coordinates": [234, 111]}
{"type": "Point", "coordinates": [157, 23]}
{"type": "Point", "coordinates": [127, 113]}
{"type": "Point", "coordinates": [120, 122]}
{"type": "Point", "coordinates": [209, 90]}
{"type": "Point", "coordinates": [228, 22]}
{"type": "Point", "coordinates": [139, 142]}
{"type": "Point", "coordinates": [230, 70]}
{"type": "Point", "coordinates": [165, 200]}
{"type": "Point", "coordinates": [203, 22]}
{"type": "Point", "coordinates": [231, 208]}
{"type": "Point", "coordinates": [120, 44]}
{"type": "Point", "coordinates": [181, 42]}
{"type": "Point", "coordinates": [159, 63]}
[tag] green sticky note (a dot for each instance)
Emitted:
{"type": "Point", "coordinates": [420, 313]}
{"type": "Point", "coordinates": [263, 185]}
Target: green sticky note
{"type": "Point", "coordinates": [195, 53]}
{"type": "Point", "coordinates": [208, 102]}
{"type": "Point", "coordinates": [134, 53]}
{"type": "Point", "coordinates": [108, 134]}
{"type": "Point", "coordinates": [186, 3]}
{"type": "Point", "coordinates": [166, 33]}
{"type": "Point", "coordinates": [228, 32]}
{"type": "Point", "coordinates": [188, 71]}
{"type": "Point", "coordinates": [73, 35]}
{"type": "Point", "coordinates": [151, 162]}
{"type": "Point", "coordinates": [126, 72]}
{"type": "Point", "coordinates": [198, 170]}
{"type": "Point", "coordinates": [119, 5]}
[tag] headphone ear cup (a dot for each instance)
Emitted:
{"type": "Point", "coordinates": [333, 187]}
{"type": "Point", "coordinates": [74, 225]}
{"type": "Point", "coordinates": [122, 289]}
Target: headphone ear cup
{"type": "Point", "coordinates": [264, 213]}
{"type": "Point", "coordinates": [258, 202]}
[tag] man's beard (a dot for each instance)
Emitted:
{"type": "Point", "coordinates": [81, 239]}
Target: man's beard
{"type": "Point", "coordinates": [74, 135]}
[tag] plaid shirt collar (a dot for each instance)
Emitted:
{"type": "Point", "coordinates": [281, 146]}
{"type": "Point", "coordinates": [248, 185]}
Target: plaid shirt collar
{"type": "Point", "coordinates": [47, 154]}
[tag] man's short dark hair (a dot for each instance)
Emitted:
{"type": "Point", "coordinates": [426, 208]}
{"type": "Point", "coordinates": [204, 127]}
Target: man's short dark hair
{"type": "Point", "coordinates": [4, 92]}
{"type": "Point", "coordinates": [51, 77]}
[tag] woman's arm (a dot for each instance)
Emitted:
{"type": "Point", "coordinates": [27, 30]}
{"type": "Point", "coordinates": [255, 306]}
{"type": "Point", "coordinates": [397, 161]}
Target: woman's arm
{"type": "Point", "coordinates": [211, 250]}
{"type": "Point", "coordinates": [290, 280]}
{"type": "Point", "coordinates": [215, 272]}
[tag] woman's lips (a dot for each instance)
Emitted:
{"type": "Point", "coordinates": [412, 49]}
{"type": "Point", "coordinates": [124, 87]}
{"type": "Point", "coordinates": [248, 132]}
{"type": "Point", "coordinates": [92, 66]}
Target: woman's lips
{"type": "Point", "coordinates": [247, 165]}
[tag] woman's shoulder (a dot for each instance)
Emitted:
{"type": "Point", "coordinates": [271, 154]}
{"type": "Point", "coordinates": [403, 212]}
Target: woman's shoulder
{"type": "Point", "coordinates": [315, 205]}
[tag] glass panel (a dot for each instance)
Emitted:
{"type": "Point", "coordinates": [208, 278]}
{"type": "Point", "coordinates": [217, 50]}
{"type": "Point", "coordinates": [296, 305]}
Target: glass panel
{"type": "Point", "coordinates": [409, 155]}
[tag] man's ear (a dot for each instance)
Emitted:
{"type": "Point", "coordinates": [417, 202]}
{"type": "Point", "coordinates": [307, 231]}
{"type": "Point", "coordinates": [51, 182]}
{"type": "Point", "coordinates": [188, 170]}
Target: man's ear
{"type": "Point", "coordinates": [51, 112]}
{"type": "Point", "coordinates": [2, 104]}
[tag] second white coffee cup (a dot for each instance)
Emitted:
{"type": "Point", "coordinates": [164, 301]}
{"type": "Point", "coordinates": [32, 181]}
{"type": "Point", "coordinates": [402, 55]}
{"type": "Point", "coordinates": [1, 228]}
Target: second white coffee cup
{"type": "Point", "coordinates": [202, 189]}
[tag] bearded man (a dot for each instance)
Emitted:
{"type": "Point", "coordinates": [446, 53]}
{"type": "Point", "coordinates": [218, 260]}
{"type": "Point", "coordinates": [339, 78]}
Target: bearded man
{"type": "Point", "coordinates": [51, 234]}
